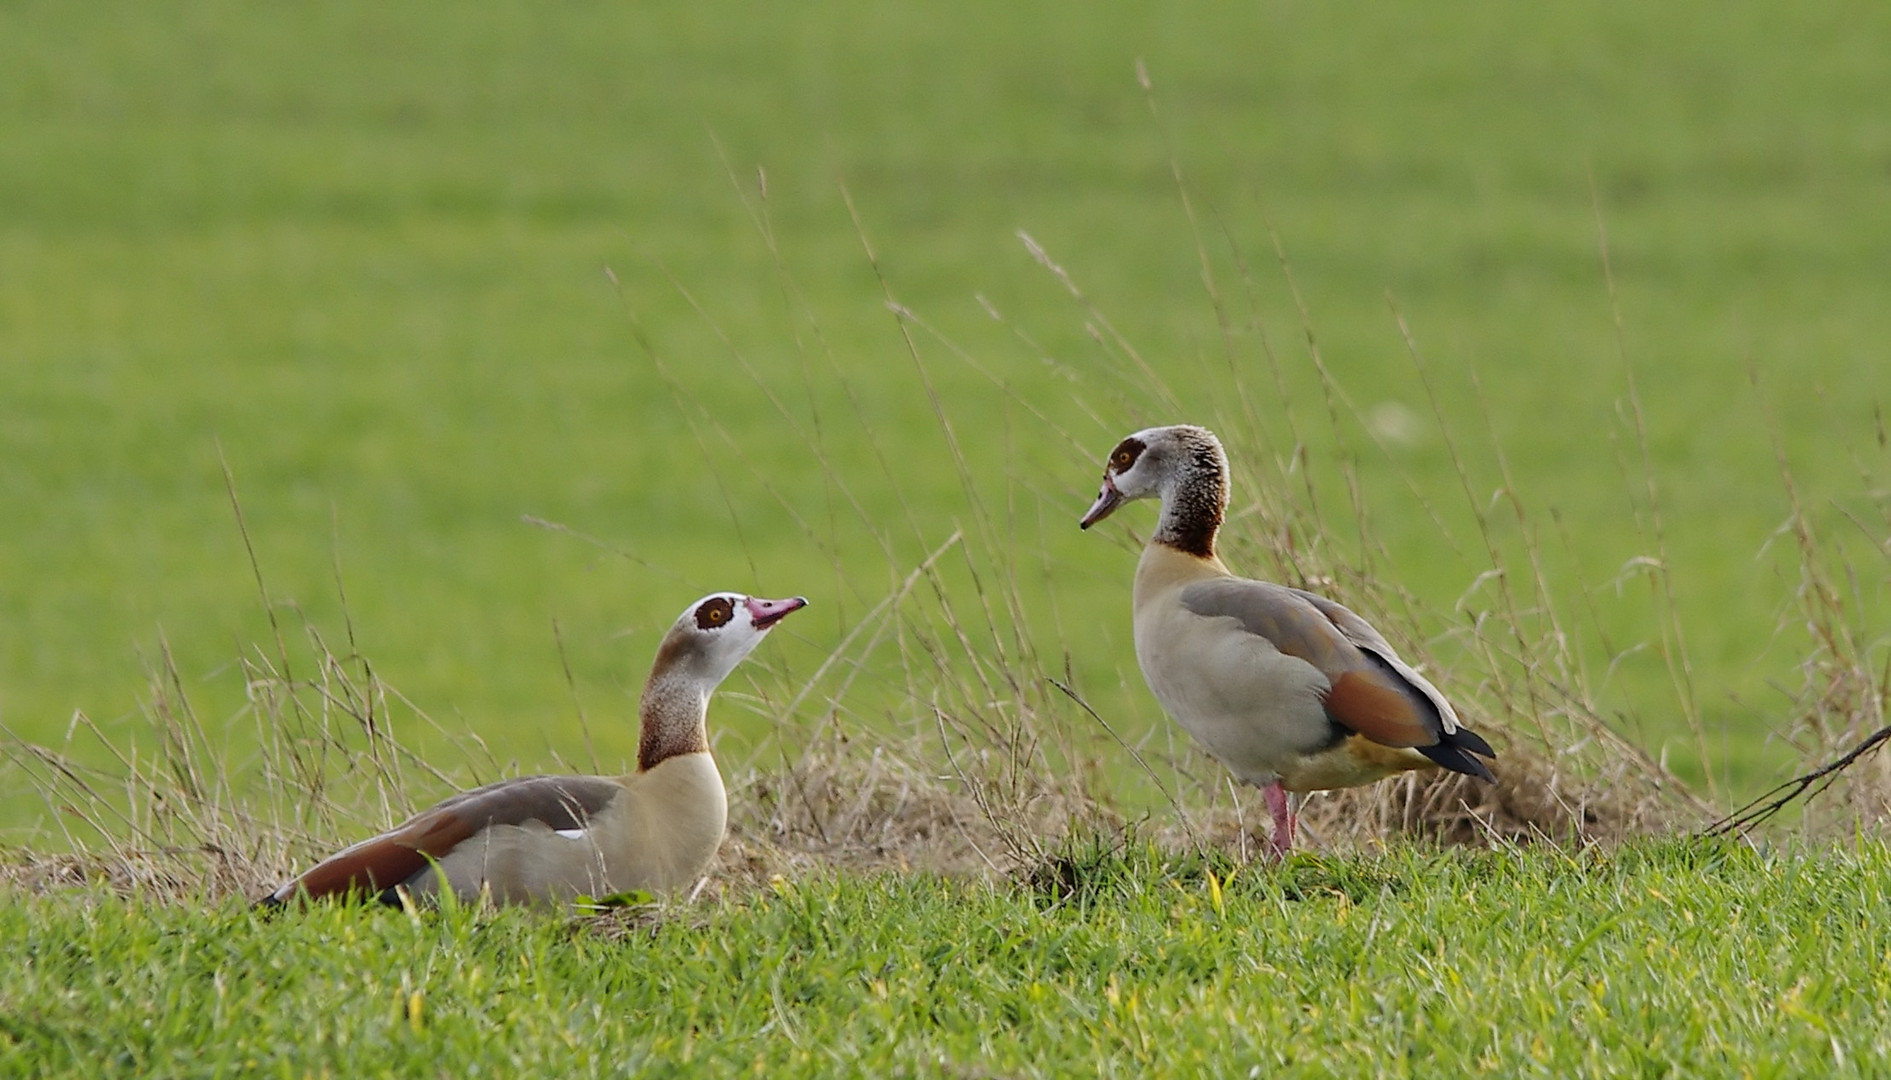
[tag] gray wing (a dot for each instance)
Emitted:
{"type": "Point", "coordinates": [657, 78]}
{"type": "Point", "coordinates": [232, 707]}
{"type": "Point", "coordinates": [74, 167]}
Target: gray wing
{"type": "Point", "coordinates": [1372, 691]}
{"type": "Point", "coordinates": [1362, 635]}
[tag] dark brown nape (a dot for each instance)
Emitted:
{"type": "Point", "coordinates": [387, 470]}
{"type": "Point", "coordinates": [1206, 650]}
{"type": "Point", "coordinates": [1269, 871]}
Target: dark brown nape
{"type": "Point", "coordinates": [1192, 525]}
{"type": "Point", "coordinates": [672, 724]}
{"type": "Point", "coordinates": [1192, 513]}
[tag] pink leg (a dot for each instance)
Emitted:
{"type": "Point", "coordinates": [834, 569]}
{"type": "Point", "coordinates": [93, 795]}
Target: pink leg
{"type": "Point", "coordinates": [1283, 821]}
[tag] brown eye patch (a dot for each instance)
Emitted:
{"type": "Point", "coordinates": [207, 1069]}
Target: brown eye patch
{"type": "Point", "coordinates": [1125, 454]}
{"type": "Point", "coordinates": [713, 612]}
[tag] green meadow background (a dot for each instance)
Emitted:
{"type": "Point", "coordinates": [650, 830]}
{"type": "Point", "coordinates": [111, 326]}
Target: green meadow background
{"type": "Point", "coordinates": [417, 272]}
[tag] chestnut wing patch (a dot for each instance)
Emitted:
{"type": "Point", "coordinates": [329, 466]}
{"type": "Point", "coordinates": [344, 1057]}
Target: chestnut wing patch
{"type": "Point", "coordinates": [387, 860]}
{"type": "Point", "coordinates": [1380, 710]}
{"type": "Point", "coordinates": [384, 861]}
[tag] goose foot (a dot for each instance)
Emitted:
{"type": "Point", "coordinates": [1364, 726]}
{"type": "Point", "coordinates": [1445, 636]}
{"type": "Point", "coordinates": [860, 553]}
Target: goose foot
{"type": "Point", "coordinates": [1284, 821]}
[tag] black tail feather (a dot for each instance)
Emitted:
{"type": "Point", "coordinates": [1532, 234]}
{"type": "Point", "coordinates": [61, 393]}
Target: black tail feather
{"type": "Point", "coordinates": [1455, 752]}
{"type": "Point", "coordinates": [1472, 741]}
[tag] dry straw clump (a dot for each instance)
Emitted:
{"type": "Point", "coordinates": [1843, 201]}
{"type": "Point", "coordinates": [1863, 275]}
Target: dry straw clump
{"type": "Point", "coordinates": [181, 809]}
{"type": "Point", "coordinates": [1838, 714]}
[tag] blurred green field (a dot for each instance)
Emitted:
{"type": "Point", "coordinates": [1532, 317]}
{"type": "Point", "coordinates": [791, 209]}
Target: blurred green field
{"type": "Point", "coordinates": [363, 251]}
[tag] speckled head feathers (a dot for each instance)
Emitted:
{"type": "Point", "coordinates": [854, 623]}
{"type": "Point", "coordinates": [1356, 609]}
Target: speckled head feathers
{"type": "Point", "coordinates": [1181, 464]}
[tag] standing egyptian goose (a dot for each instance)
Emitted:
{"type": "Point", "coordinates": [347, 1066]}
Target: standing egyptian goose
{"type": "Point", "coordinates": [539, 839]}
{"type": "Point", "coordinates": [1289, 690]}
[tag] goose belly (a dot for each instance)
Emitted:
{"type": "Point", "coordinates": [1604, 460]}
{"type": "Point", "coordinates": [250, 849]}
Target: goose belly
{"type": "Point", "coordinates": [528, 863]}
{"type": "Point", "coordinates": [1353, 761]}
{"type": "Point", "coordinates": [1254, 708]}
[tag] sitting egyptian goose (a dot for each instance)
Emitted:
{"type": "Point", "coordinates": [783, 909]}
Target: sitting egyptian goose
{"type": "Point", "coordinates": [546, 839]}
{"type": "Point", "coordinates": [1289, 690]}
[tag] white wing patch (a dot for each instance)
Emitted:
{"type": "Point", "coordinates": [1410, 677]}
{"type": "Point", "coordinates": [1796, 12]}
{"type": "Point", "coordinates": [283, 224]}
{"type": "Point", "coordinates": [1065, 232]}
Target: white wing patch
{"type": "Point", "coordinates": [570, 834]}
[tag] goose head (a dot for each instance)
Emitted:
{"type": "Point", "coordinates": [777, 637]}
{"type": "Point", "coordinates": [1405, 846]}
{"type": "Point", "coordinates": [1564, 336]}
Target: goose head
{"type": "Point", "coordinates": [715, 633]}
{"type": "Point", "coordinates": [703, 646]}
{"type": "Point", "coordinates": [1180, 463]}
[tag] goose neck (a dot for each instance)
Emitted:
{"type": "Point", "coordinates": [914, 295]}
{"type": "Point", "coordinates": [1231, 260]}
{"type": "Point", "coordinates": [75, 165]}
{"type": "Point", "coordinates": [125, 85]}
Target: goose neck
{"type": "Point", "coordinates": [1193, 505]}
{"type": "Point", "coordinates": [673, 714]}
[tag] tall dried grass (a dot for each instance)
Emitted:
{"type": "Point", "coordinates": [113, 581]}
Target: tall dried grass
{"type": "Point", "coordinates": [987, 759]}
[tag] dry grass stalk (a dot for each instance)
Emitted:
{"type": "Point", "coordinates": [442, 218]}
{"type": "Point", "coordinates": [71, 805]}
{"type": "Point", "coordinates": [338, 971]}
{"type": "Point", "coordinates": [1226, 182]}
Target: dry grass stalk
{"type": "Point", "coordinates": [206, 813]}
{"type": "Point", "coordinates": [980, 755]}
{"type": "Point", "coordinates": [1839, 709]}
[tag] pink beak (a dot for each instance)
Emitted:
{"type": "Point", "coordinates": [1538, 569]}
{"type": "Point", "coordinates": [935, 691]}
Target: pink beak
{"type": "Point", "coordinates": [766, 613]}
{"type": "Point", "coordinates": [1107, 501]}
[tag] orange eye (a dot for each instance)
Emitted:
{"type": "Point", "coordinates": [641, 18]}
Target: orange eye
{"type": "Point", "coordinates": [714, 613]}
{"type": "Point", "coordinates": [1125, 454]}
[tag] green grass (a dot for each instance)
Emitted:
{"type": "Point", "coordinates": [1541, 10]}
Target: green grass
{"type": "Point", "coordinates": [359, 252]}
{"type": "Point", "coordinates": [1662, 959]}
